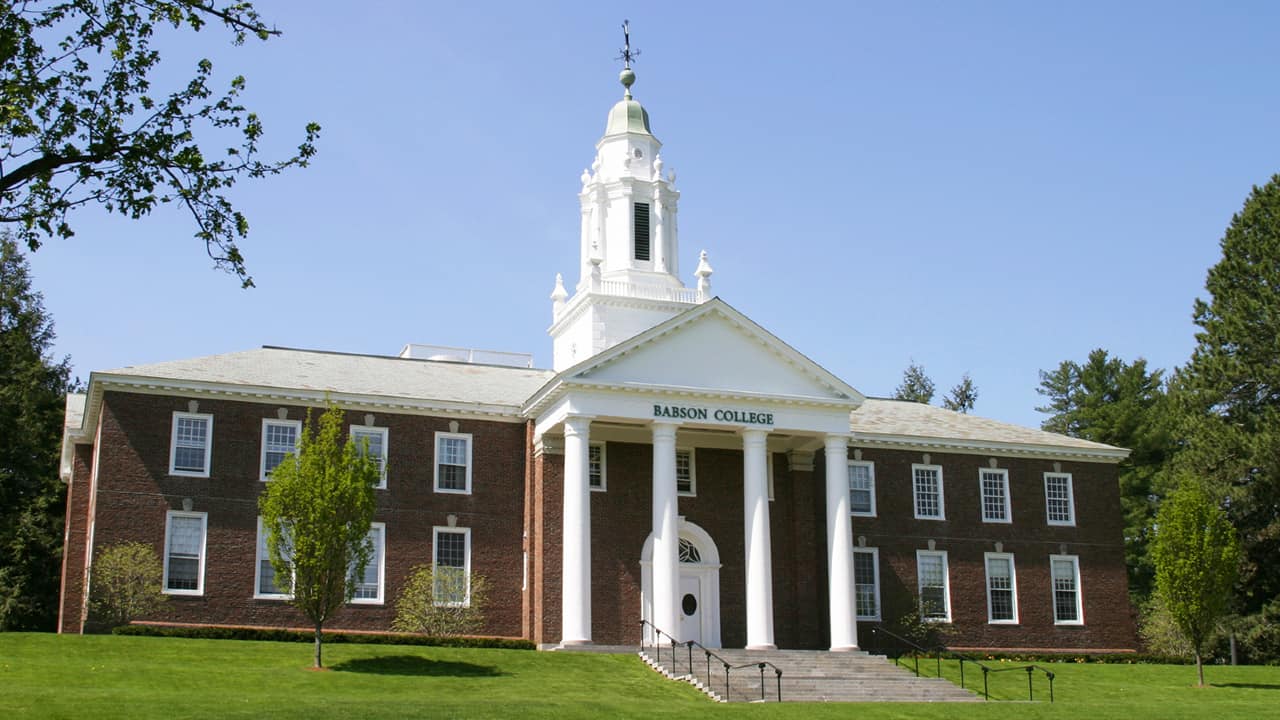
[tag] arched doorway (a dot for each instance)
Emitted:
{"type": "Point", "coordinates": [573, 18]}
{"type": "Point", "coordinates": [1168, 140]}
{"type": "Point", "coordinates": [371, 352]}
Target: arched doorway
{"type": "Point", "coordinates": [698, 604]}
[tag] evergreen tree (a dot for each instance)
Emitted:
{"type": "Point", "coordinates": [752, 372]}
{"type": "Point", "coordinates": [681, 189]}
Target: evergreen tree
{"type": "Point", "coordinates": [1108, 400]}
{"type": "Point", "coordinates": [316, 510]}
{"type": "Point", "coordinates": [32, 405]}
{"type": "Point", "coordinates": [963, 396]}
{"type": "Point", "coordinates": [916, 386]}
{"type": "Point", "coordinates": [1228, 395]}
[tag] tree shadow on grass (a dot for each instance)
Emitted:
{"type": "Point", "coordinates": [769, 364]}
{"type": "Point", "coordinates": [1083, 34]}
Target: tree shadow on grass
{"type": "Point", "coordinates": [1253, 686]}
{"type": "Point", "coordinates": [414, 665]}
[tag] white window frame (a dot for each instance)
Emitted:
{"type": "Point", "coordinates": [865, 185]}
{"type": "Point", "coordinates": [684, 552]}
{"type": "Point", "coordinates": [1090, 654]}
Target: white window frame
{"type": "Point", "coordinates": [435, 555]}
{"type": "Point", "coordinates": [386, 437]}
{"type": "Point", "coordinates": [693, 473]}
{"type": "Point", "coordinates": [982, 495]}
{"type": "Point", "coordinates": [435, 468]}
{"type": "Point", "coordinates": [262, 455]}
{"type": "Point", "coordinates": [946, 584]}
{"type": "Point", "coordinates": [871, 473]}
{"type": "Point", "coordinates": [1013, 587]}
{"type": "Point", "coordinates": [380, 557]}
{"type": "Point", "coordinates": [1079, 589]}
{"type": "Point", "coordinates": [260, 556]}
{"type": "Point", "coordinates": [204, 541]}
{"type": "Point", "coordinates": [875, 565]}
{"type": "Point", "coordinates": [604, 479]}
{"type": "Point", "coordinates": [1071, 500]}
{"type": "Point", "coordinates": [915, 503]}
{"type": "Point", "coordinates": [208, 444]}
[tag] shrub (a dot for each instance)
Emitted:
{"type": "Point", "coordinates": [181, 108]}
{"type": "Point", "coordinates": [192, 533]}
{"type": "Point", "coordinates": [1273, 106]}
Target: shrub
{"type": "Point", "coordinates": [441, 603]}
{"type": "Point", "coordinates": [125, 583]}
{"type": "Point", "coordinates": [300, 636]}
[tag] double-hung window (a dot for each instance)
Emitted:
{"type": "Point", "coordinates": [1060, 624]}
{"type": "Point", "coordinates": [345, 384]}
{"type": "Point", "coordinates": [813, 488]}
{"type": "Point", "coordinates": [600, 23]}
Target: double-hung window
{"type": "Point", "coordinates": [279, 440]}
{"type": "Point", "coordinates": [862, 488]}
{"type": "Point", "coordinates": [375, 440]}
{"type": "Point", "coordinates": [191, 444]}
{"type": "Point", "coordinates": [994, 484]}
{"type": "Point", "coordinates": [265, 585]}
{"type": "Point", "coordinates": [453, 463]}
{"type": "Point", "coordinates": [451, 570]}
{"type": "Point", "coordinates": [368, 588]}
{"type": "Point", "coordinates": [1065, 570]}
{"type": "Point", "coordinates": [1060, 504]}
{"type": "Point", "coordinates": [595, 466]}
{"type": "Point", "coordinates": [1002, 589]}
{"type": "Point", "coordinates": [926, 481]}
{"type": "Point", "coordinates": [866, 583]}
{"type": "Point", "coordinates": [686, 480]}
{"type": "Point", "coordinates": [933, 587]}
{"type": "Point", "coordinates": [184, 552]}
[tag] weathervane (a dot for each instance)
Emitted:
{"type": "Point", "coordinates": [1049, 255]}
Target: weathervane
{"type": "Point", "coordinates": [627, 53]}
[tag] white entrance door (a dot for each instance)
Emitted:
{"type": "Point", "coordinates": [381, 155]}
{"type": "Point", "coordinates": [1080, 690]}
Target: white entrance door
{"type": "Point", "coordinates": [690, 608]}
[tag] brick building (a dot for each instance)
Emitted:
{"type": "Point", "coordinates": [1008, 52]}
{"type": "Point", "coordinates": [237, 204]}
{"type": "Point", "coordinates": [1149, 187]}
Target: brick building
{"type": "Point", "coordinates": [679, 463]}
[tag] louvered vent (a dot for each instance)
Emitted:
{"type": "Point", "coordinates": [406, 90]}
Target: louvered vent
{"type": "Point", "coordinates": [640, 224]}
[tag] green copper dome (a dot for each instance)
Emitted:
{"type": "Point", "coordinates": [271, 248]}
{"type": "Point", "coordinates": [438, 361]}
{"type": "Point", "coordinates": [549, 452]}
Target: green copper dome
{"type": "Point", "coordinates": [628, 116]}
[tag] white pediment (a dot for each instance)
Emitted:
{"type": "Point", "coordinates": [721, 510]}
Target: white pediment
{"type": "Point", "coordinates": [713, 348]}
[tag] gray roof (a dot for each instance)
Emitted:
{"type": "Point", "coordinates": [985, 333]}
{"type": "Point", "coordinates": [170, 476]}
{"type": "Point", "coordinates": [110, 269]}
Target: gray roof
{"type": "Point", "coordinates": [372, 375]}
{"type": "Point", "coordinates": [904, 419]}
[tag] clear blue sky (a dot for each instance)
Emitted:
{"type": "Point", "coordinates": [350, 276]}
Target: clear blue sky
{"type": "Point", "coordinates": [987, 187]}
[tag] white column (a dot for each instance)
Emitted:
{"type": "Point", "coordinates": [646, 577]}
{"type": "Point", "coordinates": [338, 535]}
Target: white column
{"type": "Point", "coordinates": [844, 630]}
{"type": "Point", "coordinates": [666, 531]}
{"type": "Point", "coordinates": [575, 582]}
{"type": "Point", "coordinates": [759, 554]}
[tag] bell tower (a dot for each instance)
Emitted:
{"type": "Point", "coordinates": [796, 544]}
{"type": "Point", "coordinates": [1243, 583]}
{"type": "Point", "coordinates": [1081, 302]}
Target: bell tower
{"type": "Point", "coordinates": [628, 274]}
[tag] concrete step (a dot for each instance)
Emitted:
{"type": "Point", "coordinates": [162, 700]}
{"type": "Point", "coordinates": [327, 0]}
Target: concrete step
{"type": "Point", "coordinates": [807, 676]}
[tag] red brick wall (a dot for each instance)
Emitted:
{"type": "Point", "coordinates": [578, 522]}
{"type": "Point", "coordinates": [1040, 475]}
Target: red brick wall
{"type": "Point", "coordinates": [135, 491]}
{"type": "Point", "coordinates": [71, 607]}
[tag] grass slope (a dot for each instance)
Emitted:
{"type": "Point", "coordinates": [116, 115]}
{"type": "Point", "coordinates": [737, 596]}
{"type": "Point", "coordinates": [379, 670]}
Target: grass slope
{"type": "Point", "coordinates": [50, 676]}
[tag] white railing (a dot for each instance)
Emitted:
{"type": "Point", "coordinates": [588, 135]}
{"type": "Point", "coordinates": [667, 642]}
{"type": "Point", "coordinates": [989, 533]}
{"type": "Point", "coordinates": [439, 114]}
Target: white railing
{"type": "Point", "coordinates": [467, 355]}
{"type": "Point", "coordinates": [648, 292]}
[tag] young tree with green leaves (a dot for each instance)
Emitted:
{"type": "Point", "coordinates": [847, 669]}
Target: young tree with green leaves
{"type": "Point", "coordinates": [317, 510]}
{"type": "Point", "coordinates": [1108, 400]}
{"type": "Point", "coordinates": [33, 389]}
{"type": "Point", "coordinates": [1197, 558]}
{"type": "Point", "coordinates": [963, 396]}
{"type": "Point", "coordinates": [81, 123]}
{"type": "Point", "coordinates": [916, 386]}
{"type": "Point", "coordinates": [1227, 400]}
{"type": "Point", "coordinates": [126, 583]}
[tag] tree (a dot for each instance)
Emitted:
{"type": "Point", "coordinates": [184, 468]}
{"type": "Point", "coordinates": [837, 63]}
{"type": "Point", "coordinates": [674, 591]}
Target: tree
{"type": "Point", "coordinates": [32, 405]}
{"type": "Point", "coordinates": [316, 510]}
{"type": "Point", "coordinates": [441, 601]}
{"type": "Point", "coordinates": [80, 123]}
{"type": "Point", "coordinates": [1227, 397]}
{"type": "Point", "coordinates": [916, 386]}
{"type": "Point", "coordinates": [126, 583]}
{"type": "Point", "coordinates": [1111, 401]}
{"type": "Point", "coordinates": [963, 396]}
{"type": "Point", "coordinates": [1197, 557]}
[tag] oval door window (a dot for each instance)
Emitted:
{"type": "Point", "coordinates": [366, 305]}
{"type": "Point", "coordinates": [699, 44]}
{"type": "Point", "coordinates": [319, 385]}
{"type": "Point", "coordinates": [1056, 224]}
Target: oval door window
{"type": "Point", "coordinates": [689, 604]}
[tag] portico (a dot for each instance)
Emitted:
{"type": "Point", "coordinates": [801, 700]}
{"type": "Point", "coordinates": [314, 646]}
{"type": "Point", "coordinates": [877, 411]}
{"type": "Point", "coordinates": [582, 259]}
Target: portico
{"type": "Point", "coordinates": [668, 384]}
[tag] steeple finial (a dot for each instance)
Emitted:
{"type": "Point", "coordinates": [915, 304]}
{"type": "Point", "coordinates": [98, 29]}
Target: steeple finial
{"type": "Point", "coordinates": [627, 77]}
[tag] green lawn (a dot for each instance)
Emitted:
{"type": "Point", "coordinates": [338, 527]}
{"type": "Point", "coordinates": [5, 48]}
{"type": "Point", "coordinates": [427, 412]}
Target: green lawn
{"type": "Point", "coordinates": [105, 676]}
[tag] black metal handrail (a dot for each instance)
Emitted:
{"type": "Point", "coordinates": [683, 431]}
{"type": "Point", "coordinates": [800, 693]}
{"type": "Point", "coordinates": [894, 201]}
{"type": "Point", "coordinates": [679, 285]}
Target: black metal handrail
{"type": "Point", "coordinates": [940, 650]}
{"type": "Point", "coordinates": [658, 634]}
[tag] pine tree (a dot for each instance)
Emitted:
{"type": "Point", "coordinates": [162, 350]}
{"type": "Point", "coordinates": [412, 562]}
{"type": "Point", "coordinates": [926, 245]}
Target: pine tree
{"type": "Point", "coordinates": [916, 386]}
{"type": "Point", "coordinates": [1228, 395]}
{"type": "Point", "coordinates": [32, 498]}
{"type": "Point", "coordinates": [963, 396]}
{"type": "Point", "coordinates": [1108, 400]}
